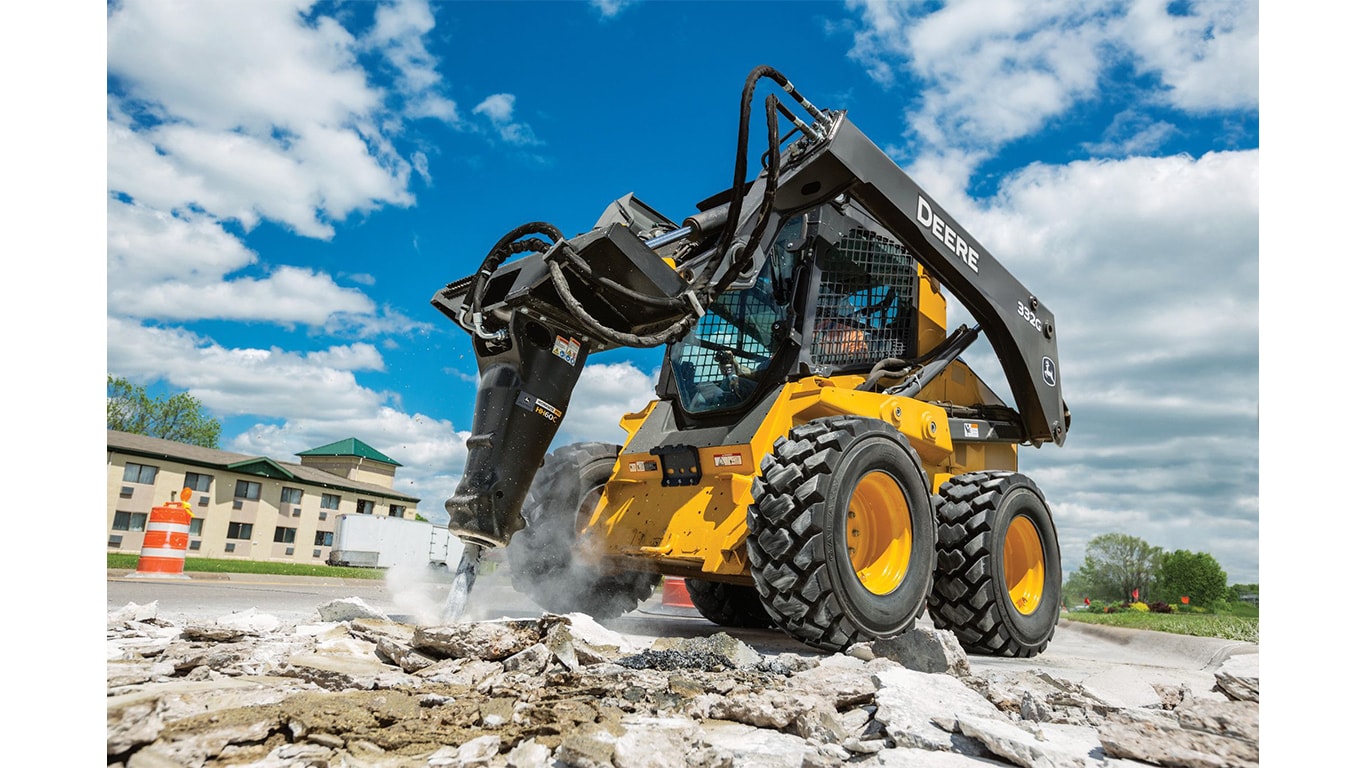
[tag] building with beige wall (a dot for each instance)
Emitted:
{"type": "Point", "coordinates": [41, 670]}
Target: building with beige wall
{"type": "Point", "coordinates": [248, 507]}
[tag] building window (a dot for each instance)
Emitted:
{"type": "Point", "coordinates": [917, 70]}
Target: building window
{"type": "Point", "coordinates": [322, 515]}
{"type": "Point", "coordinates": [289, 551]}
{"type": "Point", "coordinates": [322, 539]}
{"type": "Point", "coordinates": [139, 473]}
{"type": "Point", "coordinates": [396, 510]}
{"type": "Point", "coordinates": [247, 490]}
{"type": "Point", "coordinates": [130, 521]}
{"type": "Point", "coordinates": [330, 501]}
{"type": "Point", "coordinates": [196, 526]}
{"type": "Point", "coordinates": [194, 544]}
{"type": "Point", "coordinates": [239, 530]}
{"type": "Point", "coordinates": [126, 492]}
{"type": "Point", "coordinates": [291, 495]}
{"type": "Point", "coordinates": [317, 553]}
{"type": "Point", "coordinates": [116, 541]}
{"type": "Point", "coordinates": [197, 482]}
{"type": "Point", "coordinates": [365, 507]}
{"type": "Point", "coordinates": [284, 535]}
{"type": "Point", "coordinates": [230, 547]}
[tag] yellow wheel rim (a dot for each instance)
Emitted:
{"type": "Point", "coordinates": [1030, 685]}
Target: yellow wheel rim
{"type": "Point", "coordinates": [1024, 565]}
{"type": "Point", "coordinates": [877, 531]}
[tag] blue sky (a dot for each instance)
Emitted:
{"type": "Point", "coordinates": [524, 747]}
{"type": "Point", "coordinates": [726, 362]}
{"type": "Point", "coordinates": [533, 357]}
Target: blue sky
{"type": "Point", "coordinates": [287, 188]}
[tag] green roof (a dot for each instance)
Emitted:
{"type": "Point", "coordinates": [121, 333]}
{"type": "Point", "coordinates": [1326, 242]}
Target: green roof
{"type": "Point", "coordinates": [260, 465]}
{"type": "Point", "coordinates": [349, 447]}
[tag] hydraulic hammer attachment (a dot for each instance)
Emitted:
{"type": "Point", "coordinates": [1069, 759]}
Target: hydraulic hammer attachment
{"type": "Point", "coordinates": [527, 320]}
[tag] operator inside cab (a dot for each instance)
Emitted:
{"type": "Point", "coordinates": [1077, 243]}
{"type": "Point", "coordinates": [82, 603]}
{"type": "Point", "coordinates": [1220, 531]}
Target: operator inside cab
{"type": "Point", "coordinates": [836, 337]}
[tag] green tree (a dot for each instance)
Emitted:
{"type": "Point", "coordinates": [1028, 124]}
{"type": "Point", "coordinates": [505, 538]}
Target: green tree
{"type": "Point", "coordinates": [179, 417]}
{"type": "Point", "coordinates": [1077, 589]}
{"type": "Point", "coordinates": [1196, 575]}
{"type": "Point", "coordinates": [1116, 564]}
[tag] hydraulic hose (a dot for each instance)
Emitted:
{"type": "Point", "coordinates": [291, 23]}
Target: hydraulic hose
{"type": "Point", "coordinates": [506, 246]}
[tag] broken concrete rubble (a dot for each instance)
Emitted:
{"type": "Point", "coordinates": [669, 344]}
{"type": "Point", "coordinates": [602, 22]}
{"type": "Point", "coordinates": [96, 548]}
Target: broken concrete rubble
{"type": "Point", "coordinates": [365, 690]}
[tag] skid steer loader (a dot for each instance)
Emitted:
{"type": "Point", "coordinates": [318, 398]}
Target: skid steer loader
{"type": "Point", "coordinates": [819, 457]}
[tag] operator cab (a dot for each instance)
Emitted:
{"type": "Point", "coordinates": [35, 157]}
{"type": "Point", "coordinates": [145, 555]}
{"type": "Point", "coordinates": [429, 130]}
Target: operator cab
{"type": "Point", "coordinates": [758, 334]}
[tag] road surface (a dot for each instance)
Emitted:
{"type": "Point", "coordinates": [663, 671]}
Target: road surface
{"type": "Point", "coordinates": [1118, 664]}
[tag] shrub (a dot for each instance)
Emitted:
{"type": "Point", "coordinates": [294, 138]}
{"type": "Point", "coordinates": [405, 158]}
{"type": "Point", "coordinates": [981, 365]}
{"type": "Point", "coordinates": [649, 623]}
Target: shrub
{"type": "Point", "coordinates": [1139, 606]}
{"type": "Point", "coordinates": [1160, 607]}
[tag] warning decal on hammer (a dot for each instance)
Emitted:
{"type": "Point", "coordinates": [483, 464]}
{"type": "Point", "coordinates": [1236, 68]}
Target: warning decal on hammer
{"type": "Point", "coordinates": [567, 349]}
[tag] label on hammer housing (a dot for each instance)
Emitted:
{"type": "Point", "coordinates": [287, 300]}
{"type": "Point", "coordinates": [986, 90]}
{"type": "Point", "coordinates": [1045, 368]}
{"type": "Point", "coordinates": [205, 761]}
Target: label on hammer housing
{"type": "Point", "coordinates": [538, 406]}
{"type": "Point", "coordinates": [567, 349]}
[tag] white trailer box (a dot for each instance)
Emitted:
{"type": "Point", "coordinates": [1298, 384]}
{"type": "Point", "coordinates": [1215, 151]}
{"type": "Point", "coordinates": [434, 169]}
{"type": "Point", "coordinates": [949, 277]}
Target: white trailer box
{"type": "Point", "coordinates": [369, 541]}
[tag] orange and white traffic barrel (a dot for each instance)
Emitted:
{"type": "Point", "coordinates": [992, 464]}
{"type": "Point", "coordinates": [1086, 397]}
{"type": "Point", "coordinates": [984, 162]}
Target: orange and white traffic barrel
{"type": "Point", "coordinates": [166, 539]}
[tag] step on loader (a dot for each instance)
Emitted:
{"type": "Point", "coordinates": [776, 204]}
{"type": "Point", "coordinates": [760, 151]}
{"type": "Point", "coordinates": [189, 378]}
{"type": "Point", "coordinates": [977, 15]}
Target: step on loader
{"type": "Point", "coordinates": [819, 456]}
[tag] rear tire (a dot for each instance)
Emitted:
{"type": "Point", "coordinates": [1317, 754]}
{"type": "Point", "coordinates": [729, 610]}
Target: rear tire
{"type": "Point", "coordinates": [728, 605]}
{"type": "Point", "coordinates": [545, 561]}
{"type": "Point", "coordinates": [841, 533]}
{"type": "Point", "coordinates": [998, 585]}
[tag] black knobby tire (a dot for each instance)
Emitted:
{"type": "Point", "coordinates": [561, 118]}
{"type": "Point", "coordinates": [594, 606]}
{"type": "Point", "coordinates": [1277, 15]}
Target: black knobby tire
{"type": "Point", "coordinates": [546, 565]}
{"type": "Point", "coordinates": [998, 583]}
{"type": "Point", "coordinates": [728, 605]}
{"type": "Point", "coordinates": [816, 586]}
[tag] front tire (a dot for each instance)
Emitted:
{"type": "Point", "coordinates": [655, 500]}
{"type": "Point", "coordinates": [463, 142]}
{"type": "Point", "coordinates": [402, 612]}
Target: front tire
{"type": "Point", "coordinates": [546, 562]}
{"type": "Point", "coordinates": [841, 533]}
{"type": "Point", "coordinates": [998, 586]}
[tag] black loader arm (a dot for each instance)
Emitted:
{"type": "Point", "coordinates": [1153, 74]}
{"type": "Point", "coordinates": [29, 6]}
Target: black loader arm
{"type": "Point", "coordinates": [637, 279]}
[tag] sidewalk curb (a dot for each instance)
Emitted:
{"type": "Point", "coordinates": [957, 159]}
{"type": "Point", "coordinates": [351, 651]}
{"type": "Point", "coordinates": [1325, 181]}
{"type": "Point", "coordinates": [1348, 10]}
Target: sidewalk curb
{"type": "Point", "coordinates": [1213, 651]}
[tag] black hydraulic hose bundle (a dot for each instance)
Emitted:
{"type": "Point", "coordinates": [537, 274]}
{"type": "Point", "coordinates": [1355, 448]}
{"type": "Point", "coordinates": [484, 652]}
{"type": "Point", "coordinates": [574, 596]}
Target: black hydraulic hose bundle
{"type": "Point", "coordinates": [742, 261]}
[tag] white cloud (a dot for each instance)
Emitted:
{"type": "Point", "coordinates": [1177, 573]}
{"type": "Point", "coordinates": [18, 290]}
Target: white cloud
{"type": "Point", "coordinates": [992, 71]}
{"type": "Point", "coordinates": [1131, 133]}
{"type": "Point", "coordinates": [398, 32]}
{"type": "Point", "coordinates": [172, 268]}
{"type": "Point", "coordinates": [498, 108]}
{"type": "Point", "coordinates": [271, 383]}
{"type": "Point", "coordinates": [995, 69]}
{"type": "Point", "coordinates": [609, 9]}
{"type": "Point", "coordinates": [605, 393]}
{"type": "Point", "coordinates": [223, 67]}
{"type": "Point", "coordinates": [319, 175]}
{"type": "Point", "coordinates": [262, 115]}
{"type": "Point", "coordinates": [147, 246]}
{"type": "Point", "coordinates": [1207, 58]}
